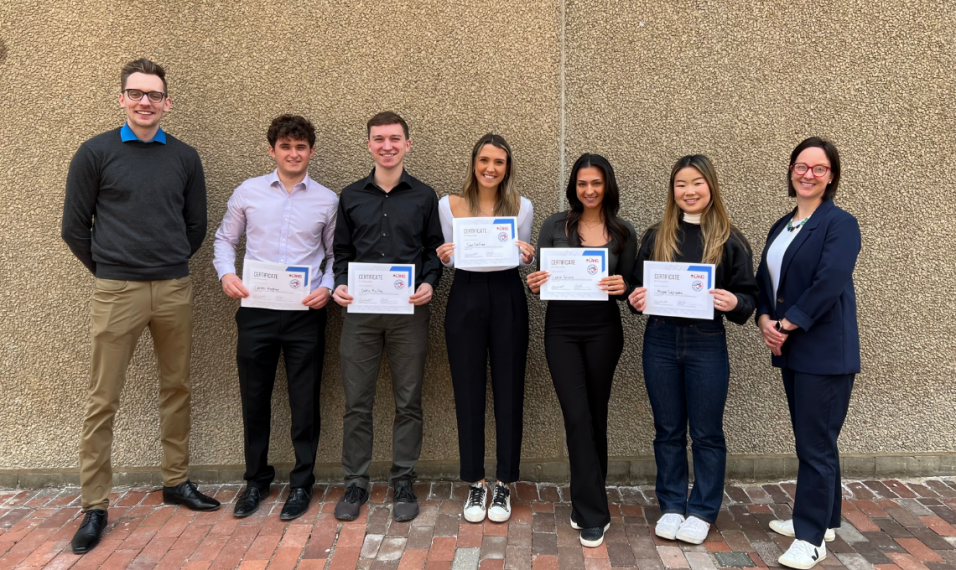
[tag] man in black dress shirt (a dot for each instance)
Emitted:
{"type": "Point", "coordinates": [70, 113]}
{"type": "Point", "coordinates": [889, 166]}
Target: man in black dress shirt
{"type": "Point", "coordinates": [388, 217]}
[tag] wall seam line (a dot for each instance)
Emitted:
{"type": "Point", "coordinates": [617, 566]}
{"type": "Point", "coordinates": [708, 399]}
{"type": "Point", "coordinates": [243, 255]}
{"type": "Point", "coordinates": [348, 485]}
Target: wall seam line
{"type": "Point", "coordinates": [562, 127]}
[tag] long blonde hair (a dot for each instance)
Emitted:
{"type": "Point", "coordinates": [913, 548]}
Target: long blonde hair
{"type": "Point", "coordinates": [509, 201]}
{"type": "Point", "coordinates": [714, 221]}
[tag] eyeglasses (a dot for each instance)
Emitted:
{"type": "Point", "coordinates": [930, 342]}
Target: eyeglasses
{"type": "Point", "coordinates": [819, 171]}
{"type": "Point", "coordinates": [137, 94]}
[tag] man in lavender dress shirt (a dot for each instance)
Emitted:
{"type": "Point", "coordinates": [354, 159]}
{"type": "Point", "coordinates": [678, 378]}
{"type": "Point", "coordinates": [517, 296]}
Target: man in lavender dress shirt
{"type": "Point", "coordinates": [288, 218]}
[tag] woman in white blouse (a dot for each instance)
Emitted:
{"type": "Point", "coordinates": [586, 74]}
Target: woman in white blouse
{"type": "Point", "coordinates": [487, 314]}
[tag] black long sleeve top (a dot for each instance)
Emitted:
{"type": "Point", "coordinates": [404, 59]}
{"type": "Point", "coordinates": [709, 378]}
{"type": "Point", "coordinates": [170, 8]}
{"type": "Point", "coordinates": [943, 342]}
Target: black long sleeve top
{"type": "Point", "coordinates": [735, 272]}
{"type": "Point", "coordinates": [399, 226]}
{"type": "Point", "coordinates": [554, 234]}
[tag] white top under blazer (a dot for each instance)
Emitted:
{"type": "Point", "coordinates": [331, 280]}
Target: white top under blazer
{"type": "Point", "coordinates": [525, 217]}
{"type": "Point", "coordinates": [775, 254]}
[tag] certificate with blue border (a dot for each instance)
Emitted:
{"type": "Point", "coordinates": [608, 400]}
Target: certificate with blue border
{"type": "Point", "coordinates": [276, 286]}
{"type": "Point", "coordinates": [679, 289]}
{"type": "Point", "coordinates": [575, 273]}
{"type": "Point", "coordinates": [486, 243]}
{"type": "Point", "coordinates": [381, 288]}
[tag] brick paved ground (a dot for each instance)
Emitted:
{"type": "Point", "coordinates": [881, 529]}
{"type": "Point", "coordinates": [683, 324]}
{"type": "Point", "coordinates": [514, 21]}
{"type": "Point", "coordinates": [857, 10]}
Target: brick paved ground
{"type": "Point", "coordinates": [888, 525]}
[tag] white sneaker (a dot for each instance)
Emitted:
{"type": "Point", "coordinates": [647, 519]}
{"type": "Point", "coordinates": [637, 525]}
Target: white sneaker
{"type": "Point", "coordinates": [474, 509]}
{"type": "Point", "coordinates": [668, 525]}
{"type": "Point", "coordinates": [500, 510]}
{"type": "Point", "coordinates": [803, 555]}
{"type": "Point", "coordinates": [786, 529]}
{"type": "Point", "coordinates": [693, 530]}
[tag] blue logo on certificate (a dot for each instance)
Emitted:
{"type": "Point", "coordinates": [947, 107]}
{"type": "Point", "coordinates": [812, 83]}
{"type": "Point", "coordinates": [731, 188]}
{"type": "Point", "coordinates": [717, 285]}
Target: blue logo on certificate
{"type": "Point", "coordinates": [506, 225]}
{"type": "Point", "coordinates": [401, 274]}
{"type": "Point", "coordinates": [595, 256]}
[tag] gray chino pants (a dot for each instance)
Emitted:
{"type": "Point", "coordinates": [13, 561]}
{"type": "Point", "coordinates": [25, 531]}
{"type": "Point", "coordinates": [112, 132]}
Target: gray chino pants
{"type": "Point", "coordinates": [405, 339]}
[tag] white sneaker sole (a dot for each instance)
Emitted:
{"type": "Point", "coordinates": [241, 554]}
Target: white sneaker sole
{"type": "Point", "coordinates": [798, 566]}
{"type": "Point", "coordinates": [474, 518]}
{"type": "Point", "coordinates": [493, 517]}
{"type": "Point", "coordinates": [575, 525]}
{"type": "Point", "coordinates": [828, 536]}
{"type": "Point", "coordinates": [595, 543]}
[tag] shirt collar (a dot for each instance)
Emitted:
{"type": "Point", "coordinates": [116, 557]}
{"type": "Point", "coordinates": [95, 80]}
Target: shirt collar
{"type": "Point", "coordinates": [405, 180]}
{"type": "Point", "coordinates": [274, 179]}
{"type": "Point", "coordinates": [127, 135]}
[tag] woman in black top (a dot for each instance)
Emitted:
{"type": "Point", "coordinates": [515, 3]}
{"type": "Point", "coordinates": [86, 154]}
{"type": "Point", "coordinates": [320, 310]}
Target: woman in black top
{"type": "Point", "coordinates": [686, 366]}
{"type": "Point", "coordinates": [583, 340]}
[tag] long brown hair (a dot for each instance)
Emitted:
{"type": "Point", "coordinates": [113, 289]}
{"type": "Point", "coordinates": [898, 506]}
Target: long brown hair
{"type": "Point", "coordinates": [714, 221]}
{"type": "Point", "coordinates": [509, 201]}
{"type": "Point", "coordinates": [610, 204]}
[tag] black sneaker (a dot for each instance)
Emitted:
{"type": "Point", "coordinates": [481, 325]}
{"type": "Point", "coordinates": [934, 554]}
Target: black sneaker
{"type": "Point", "coordinates": [406, 503]}
{"type": "Point", "coordinates": [593, 537]}
{"type": "Point", "coordinates": [574, 519]}
{"type": "Point", "coordinates": [351, 503]}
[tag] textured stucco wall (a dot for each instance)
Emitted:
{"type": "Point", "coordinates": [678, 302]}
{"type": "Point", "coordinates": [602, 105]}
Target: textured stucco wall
{"type": "Point", "coordinates": [645, 83]}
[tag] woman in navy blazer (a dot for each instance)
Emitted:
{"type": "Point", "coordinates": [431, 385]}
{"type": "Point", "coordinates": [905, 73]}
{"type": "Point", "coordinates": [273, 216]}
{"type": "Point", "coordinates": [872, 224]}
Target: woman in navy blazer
{"type": "Point", "coordinates": [806, 311]}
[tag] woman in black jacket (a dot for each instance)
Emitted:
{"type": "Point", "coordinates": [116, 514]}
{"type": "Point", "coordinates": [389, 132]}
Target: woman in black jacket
{"type": "Point", "coordinates": [686, 365]}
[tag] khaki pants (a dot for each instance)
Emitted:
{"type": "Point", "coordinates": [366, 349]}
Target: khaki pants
{"type": "Point", "coordinates": [120, 311]}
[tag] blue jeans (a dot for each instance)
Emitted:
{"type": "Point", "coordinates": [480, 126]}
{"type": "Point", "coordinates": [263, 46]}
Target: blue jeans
{"type": "Point", "coordinates": [686, 370]}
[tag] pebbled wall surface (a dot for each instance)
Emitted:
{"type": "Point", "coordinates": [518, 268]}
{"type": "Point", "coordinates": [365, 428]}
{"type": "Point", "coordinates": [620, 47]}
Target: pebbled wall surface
{"type": "Point", "coordinates": [644, 83]}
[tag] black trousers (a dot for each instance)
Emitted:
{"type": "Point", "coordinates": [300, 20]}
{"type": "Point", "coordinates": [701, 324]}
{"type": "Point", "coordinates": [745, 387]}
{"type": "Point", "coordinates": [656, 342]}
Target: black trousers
{"type": "Point", "coordinates": [300, 336]}
{"type": "Point", "coordinates": [818, 407]}
{"type": "Point", "coordinates": [488, 314]}
{"type": "Point", "coordinates": [583, 343]}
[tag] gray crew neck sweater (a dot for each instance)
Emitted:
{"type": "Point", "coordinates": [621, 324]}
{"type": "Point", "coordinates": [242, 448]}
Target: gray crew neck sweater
{"type": "Point", "coordinates": [135, 211]}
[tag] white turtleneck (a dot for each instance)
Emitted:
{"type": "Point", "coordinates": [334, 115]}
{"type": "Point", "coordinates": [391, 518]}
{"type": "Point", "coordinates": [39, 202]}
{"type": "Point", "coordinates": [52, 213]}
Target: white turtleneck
{"type": "Point", "coordinates": [692, 218]}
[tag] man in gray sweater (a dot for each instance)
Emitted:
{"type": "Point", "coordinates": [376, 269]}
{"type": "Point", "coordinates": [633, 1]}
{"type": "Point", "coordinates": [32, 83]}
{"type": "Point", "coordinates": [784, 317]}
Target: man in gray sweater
{"type": "Point", "coordinates": [135, 212]}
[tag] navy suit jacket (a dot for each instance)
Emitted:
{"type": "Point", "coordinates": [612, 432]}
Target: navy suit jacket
{"type": "Point", "coordinates": [816, 293]}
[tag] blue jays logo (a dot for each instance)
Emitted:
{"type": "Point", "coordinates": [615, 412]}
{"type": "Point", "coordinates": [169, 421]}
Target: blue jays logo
{"type": "Point", "coordinates": [399, 284]}
{"type": "Point", "coordinates": [697, 286]}
{"type": "Point", "coordinates": [503, 236]}
{"type": "Point", "coordinates": [592, 269]}
{"type": "Point", "coordinates": [295, 283]}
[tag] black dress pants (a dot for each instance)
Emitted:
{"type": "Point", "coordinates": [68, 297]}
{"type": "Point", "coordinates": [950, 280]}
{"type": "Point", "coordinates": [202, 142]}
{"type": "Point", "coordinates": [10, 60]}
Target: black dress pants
{"type": "Point", "coordinates": [818, 407]}
{"type": "Point", "coordinates": [300, 336]}
{"type": "Point", "coordinates": [583, 343]}
{"type": "Point", "coordinates": [488, 314]}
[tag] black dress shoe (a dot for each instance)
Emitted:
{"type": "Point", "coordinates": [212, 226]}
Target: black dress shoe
{"type": "Point", "coordinates": [248, 501]}
{"type": "Point", "coordinates": [88, 535]}
{"type": "Point", "coordinates": [297, 503]}
{"type": "Point", "coordinates": [187, 494]}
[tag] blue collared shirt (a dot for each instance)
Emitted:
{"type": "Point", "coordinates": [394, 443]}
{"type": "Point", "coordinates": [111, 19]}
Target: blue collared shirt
{"type": "Point", "coordinates": [295, 227]}
{"type": "Point", "coordinates": [127, 135]}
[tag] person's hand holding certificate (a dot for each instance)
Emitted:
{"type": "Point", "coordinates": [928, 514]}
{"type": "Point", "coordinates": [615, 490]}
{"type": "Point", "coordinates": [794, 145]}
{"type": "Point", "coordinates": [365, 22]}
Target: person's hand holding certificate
{"type": "Point", "coordinates": [275, 286]}
{"type": "Point", "coordinates": [381, 288]}
{"type": "Point", "coordinates": [678, 290]}
{"type": "Point", "coordinates": [575, 274]}
{"type": "Point", "coordinates": [486, 242]}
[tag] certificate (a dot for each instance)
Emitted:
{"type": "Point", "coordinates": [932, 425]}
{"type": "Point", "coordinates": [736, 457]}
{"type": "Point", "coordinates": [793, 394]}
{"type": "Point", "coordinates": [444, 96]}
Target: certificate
{"type": "Point", "coordinates": [381, 288]}
{"type": "Point", "coordinates": [485, 242]}
{"type": "Point", "coordinates": [679, 289]}
{"type": "Point", "coordinates": [275, 285]}
{"type": "Point", "coordinates": [575, 274]}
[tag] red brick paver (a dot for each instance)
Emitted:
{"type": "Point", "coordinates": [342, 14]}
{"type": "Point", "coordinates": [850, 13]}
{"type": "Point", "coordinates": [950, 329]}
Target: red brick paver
{"type": "Point", "coordinates": [888, 525]}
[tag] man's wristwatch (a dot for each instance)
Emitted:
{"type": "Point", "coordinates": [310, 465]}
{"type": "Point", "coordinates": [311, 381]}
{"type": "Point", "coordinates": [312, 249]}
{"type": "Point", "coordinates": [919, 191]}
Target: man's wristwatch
{"type": "Point", "coordinates": [780, 328]}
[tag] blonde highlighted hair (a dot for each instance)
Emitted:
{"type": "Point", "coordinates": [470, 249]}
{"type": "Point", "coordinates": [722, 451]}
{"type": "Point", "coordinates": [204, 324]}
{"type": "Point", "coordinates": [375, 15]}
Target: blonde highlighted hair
{"type": "Point", "coordinates": [714, 221]}
{"type": "Point", "coordinates": [509, 200]}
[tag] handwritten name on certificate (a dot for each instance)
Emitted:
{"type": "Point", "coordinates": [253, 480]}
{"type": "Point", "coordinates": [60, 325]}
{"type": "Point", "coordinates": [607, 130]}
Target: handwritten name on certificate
{"type": "Point", "coordinates": [275, 285]}
{"type": "Point", "coordinates": [485, 242]}
{"type": "Point", "coordinates": [679, 289]}
{"type": "Point", "coordinates": [381, 288]}
{"type": "Point", "coordinates": [575, 274]}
